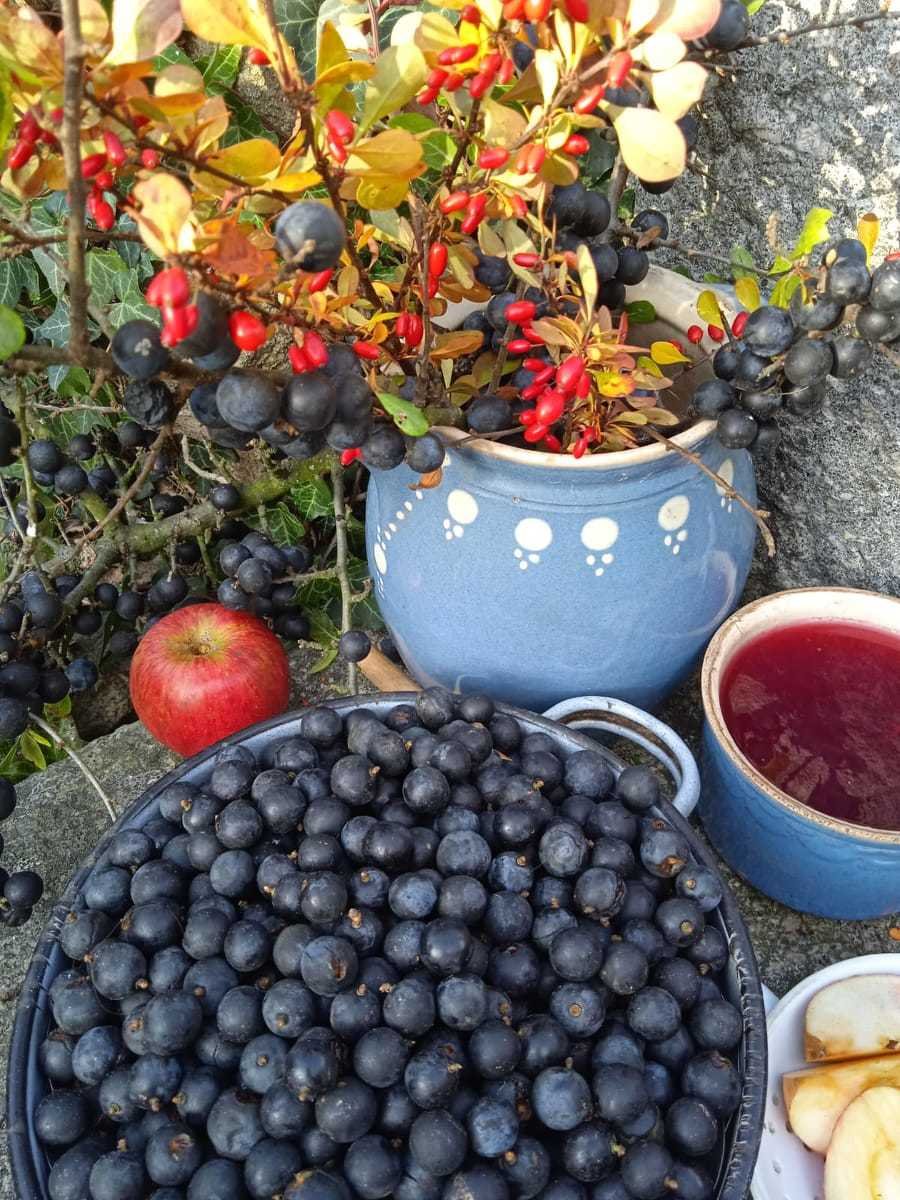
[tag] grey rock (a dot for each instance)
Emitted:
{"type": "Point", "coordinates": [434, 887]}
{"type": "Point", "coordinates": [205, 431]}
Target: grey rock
{"type": "Point", "coordinates": [811, 123]}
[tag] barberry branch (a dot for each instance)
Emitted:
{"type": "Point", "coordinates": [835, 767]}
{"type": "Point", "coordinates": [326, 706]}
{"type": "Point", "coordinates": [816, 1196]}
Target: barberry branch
{"type": "Point", "coordinates": [635, 235]}
{"type": "Point", "coordinates": [73, 69]}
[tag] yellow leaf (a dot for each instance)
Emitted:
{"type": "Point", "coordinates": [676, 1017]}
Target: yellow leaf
{"type": "Point", "coordinates": [588, 274]}
{"type": "Point", "coordinates": [503, 125]}
{"type": "Point", "coordinates": [177, 79]}
{"type": "Point", "coordinates": [434, 34]}
{"type": "Point", "coordinates": [612, 383]}
{"type": "Point", "coordinates": [660, 416]}
{"type": "Point", "coordinates": [460, 267]}
{"type": "Point", "coordinates": [665, 352]}
{"type": "Point", "coordinates": [867, 231]}
{"type": "Point", "coordinates": [399, 73]}
{"type": "Point", "coordinates": [490, 241]}
{"type": "Point", "coordinates": [648, 365]}
{"type": "Point", "coordinates": [747, 291]}
{"type": "Point", "coordinates": [708, 310]}
{"type": "Point", "coordinates": [163, 108]}
{"type": "Point", "coordinates": [678, 89]}
{"type": "Point", "coordinates": [343, 73]}
{"type": "Point", "coordinates": [381, 191]}
{"type": "Point", "coordinates": [560, 170]}
{"type": "Point", "coordinates": [457, 343]}
{"type": "Point", "coordinates": [393, 152]}
{"type": "Point", "coordinates": [332, 50]}
{"type": "Point", "coordinates": [164, 214]}
{"type": "Point", "coordinates": [661, 50]}
{"type": "Point", "coordinates": [296, 181]}
{"type": "Point", "coordinates": [547, 66]}
{"type": "Point", "coordinates": [253, 161]}
{"type": "Point", "coordinates": [690, 19]}
{"type": "Point", "coordinates": [94, 22]}
{"type": "Point", "coordinates": [36, 53]}
{"type": "Point", "coordinates": [228, 22]}
{"type": "Point", "coordinates": [143, 28]}
{"type": "Point", "coordinates": [652, 145]}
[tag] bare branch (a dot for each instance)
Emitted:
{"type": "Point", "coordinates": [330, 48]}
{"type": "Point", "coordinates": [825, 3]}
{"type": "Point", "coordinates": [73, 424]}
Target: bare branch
{"type": "Point", "coordinates": [784, 36]}
{"type": "Point", "coordinates": [136, 484]}
{"type": "Point", "coordinates": [73, 66]}
{"type": "Point", "coordinates": [78, 761]}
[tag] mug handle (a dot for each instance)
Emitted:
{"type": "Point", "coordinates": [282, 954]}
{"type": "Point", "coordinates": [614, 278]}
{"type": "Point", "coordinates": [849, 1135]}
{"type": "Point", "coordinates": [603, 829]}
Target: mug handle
{"type": "Point", "coordinates": [606, 714]}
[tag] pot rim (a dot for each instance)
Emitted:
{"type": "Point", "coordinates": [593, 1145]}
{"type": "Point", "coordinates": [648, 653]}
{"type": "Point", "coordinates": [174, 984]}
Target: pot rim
{"type": "Point", "coordinates": [719, 653]}
{"type": "Point", "coordinates": [543, 459]}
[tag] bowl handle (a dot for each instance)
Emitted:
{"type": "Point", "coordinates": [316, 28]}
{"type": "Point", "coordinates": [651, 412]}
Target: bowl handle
{"type": "Point", "coordinates": [616, 716]}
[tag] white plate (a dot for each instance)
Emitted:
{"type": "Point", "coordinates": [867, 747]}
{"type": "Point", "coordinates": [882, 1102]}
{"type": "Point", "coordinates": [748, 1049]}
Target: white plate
{"type": "Point", "coordinates": [785, 1169]}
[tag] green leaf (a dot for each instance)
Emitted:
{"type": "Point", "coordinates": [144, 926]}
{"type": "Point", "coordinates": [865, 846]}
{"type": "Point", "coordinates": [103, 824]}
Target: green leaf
{"type": "Point", "coordinates": [312, 499]}
{"type": "Point", "coordinates": [324, 660]}
{"type": "Point", "coordinates": [171, 56]}
{"type": "Point", "coordinates": [599, 159]}
{"type": "Point", "coordinates": [132, 304]}
{"type": "Point", "coordinates": [12, 332]}
{"type": "Point", "coordinates": [780, 265]}
{"type": "Point", "coordinates": [753, 6]}
{"type": "Point", "coordinates": [30, 749]}
{"type": "Point", "coordinates": [245, 124]}
{"type": "Point", "coordinates": [10, 282]}
{"type": "Point", "coordinates": [284, 527]}
{"type": "Point", "coordinates": [625, 209]}
{"type": "Point", "coordinates": [640, 312]}
{"type": "Point", "coordinates": [221, 68]}
{"type": "Point", "coordinates": [814, 231]}
{"type": "Point", "coordinates": [55, 329]}
{"type": "Point", "coordinates": [399, 74]}
{"type": "Point", "coordinates": [102, 267]}
{"type": "Point", "coordinates": [297, 20]}
{"type": "Point", "coordinates": [323, 630]}
{"type": "Point", "coordinates": [50, 269]}
{"type": "Point", "coordinates": [784, 289]}
{"type": "Point", "coordinates": [7, 113]}
{"type": "Point", "coordinates": [407, 417]}
{"type": "Point", "coordinates": [741, 259]}
{"type": "Point", "coordinates": [58, 711]}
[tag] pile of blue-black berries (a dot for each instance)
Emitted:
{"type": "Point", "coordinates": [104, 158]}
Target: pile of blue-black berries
{"type": "Point", "coordinates": [779, 360]}
{"type": "Point", "coordinates": [427, 956]}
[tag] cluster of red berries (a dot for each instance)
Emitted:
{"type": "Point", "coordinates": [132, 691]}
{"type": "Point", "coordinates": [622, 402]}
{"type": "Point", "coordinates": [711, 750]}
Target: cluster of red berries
{"type": "Point", "coordinates": [170, 292]}
{"type": "Point", "coordinates": [341, 132]}
{"type": "Point", "coordinates": [552, 389]}
{"type": "Point", "coordinates": [311, 355]}
{"type": "Point", "coordinates": [29, 135]}
{"type": "Point", "coordinates": [716, 333]}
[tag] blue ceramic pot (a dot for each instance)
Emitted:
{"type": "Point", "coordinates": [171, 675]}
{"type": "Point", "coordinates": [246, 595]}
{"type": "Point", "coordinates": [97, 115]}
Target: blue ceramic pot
{"type": "Point", "coordinates": [797, 855]}
{"type": "Point", "coordinates": [535, 577]}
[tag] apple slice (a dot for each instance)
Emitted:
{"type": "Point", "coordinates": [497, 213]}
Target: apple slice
{"type": "Point", "coordinates": [853, 1018]}
{"type": "Point", "coordinates": [815, 1098]}
{"type": "Point", "coordinates": [863, 1160]}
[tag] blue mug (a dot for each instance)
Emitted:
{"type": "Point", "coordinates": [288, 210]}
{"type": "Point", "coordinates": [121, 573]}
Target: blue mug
{"type": "Point", "coordinates": [797, 855]}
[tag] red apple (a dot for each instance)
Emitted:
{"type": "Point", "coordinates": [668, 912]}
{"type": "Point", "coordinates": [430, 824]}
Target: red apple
{"type": "Point", "coordinates": [204, 672]}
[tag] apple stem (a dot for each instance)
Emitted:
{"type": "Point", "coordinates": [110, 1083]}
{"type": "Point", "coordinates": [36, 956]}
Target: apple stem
{"type": "Point", "coordinates": [79, 762]}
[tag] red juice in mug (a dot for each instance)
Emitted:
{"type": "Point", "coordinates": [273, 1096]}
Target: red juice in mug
{"type": "Point", "coordinates": [815, 707]}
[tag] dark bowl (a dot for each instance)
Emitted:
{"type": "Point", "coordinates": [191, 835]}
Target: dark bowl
{"type": "Point", "coordinates": [739, 1145]}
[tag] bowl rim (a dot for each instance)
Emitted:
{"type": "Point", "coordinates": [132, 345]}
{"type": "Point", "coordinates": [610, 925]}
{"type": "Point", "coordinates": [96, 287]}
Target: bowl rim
{"type": "Point", "coordinates": [745, 1125]}
{"type": "Point", "coordinates": [714, 662]}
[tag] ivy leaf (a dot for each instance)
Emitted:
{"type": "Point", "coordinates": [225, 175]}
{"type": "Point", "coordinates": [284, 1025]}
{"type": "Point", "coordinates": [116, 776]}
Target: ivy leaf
{"type": "Point", "coordinates": [10, 282]}
{"type": "Point", "coordinates": [101, 267]}
{"type": "Point", "coordinates": [50, 269]}
{"type": "Point", "coordinates": [245, 124]}
{"type": "Point", "coordinates": [323, 630]}
{"type": "Point", "coordinates": [297, 20]}
{"type": "Point", "coordinates": [12, 332]}
{"type": "Point", "coordinates": [324, 661]}
{"type": "Point", "coordinates": [312, 499]}
{"type": "Point", "coordinates": [640, 312]}
{"type": "Point", "coordinates": [814, 231]}
{"type": "Point", "coordinates": [407, 417]}
{"type": "Point", "coordinates": [55, 329]}
{"type": "Point", "coordinates": [131, 306]}
{"type": "Point", "coordinates": [284, 527]}
{"type": "Point", "coordinates": [221, 68]}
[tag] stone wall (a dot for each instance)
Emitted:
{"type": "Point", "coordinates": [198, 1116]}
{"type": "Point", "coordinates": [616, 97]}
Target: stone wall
{"type": "Point", "coordinates": [814, 122]}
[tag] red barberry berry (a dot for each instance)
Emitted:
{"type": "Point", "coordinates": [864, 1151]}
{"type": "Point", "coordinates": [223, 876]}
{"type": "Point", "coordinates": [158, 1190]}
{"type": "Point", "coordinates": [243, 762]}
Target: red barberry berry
{"type": "Point", "coordinates": [149, 159]}
{"type": "Point", "coordinates": [92, 165]}
{"type": "Point", "coordinates": [716, 332]}
{"type": "Point", "coordinates": [169, 289]}
{"type": "Point", "coordinates": [695, 335]}
{"type": "Point", "coordinates": [247, 331]}
{"type": "Point", "coordinates": [366, 350]}
{"type": "Point", "coordinates": [739, 322]}
{"type": "Point", "coordinates": [115, 151]}
{"type": "Point", "coordinates": [19, 155]}
{"type": "Point", "coordinates": [257, 57]}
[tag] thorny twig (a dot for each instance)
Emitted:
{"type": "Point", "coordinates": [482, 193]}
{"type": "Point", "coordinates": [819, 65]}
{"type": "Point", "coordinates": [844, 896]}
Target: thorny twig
{"type": "Point", "coordinates": [78, 761]}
